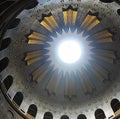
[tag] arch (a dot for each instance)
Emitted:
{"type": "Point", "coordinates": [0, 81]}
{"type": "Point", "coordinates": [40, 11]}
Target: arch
{"type": "Point", "coordinates": [64, 117]}
{"type": "Point", "coordinates": [118, 11]}
{"type": "Point", "coordinates": [14, 23]}
{"type": "Point", "coordinates": [99, 114]}
{"type": "Point", "coordinates": [32, 5]}
{"type": "Point", "coordinates": [8, 82]}
{"type": "Point", "coordinates": [48, 115]}
{"type": "Point", "coordinates": [106, 1]}
{"type": "Point", "coordinates": [18, 98]}
{"type": "Point", "coordinates": [3, 63]}
{"type": "Point", "coordinates": [115, 104]}
{"type": "Point", "coordinates": [81, 116]}
{"type": "Point", "coordinates": [32, 110]}
{"type": "Point", "coordinates": [5, 43]}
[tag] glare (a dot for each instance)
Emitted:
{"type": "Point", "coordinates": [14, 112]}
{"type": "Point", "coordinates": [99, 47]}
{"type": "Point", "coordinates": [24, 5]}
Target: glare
{"type": "Point", "coordinates": [69, 51]}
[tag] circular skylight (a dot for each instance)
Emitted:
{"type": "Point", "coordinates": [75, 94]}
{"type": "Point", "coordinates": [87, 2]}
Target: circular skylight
{"type": "Point", "coordinates": [69, 51]}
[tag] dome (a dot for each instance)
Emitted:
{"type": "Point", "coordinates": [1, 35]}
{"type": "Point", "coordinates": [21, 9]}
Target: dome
{"type": "Point", "coordinates": [36, 82]}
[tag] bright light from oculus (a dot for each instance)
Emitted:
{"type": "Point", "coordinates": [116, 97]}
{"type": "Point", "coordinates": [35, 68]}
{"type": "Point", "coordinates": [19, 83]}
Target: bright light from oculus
{"type": "Point", "coordinates": [69, 51]}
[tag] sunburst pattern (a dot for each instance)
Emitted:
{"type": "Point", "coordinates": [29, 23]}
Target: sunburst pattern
{"type": "Point", "coordinates": [85, 70]}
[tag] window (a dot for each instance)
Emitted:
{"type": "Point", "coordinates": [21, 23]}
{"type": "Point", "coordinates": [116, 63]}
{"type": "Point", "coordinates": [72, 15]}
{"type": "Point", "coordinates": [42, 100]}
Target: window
{"type": "Point", "coordinates": [81, 116]}
{"type": "Point", "coordinates": [106, 1]}
{"type": "Point", "coordinates": [99, 114]}
{"type": "Point", "coordinates": [14, 24]}
{"type": "Point", "coordinates": [118, 11]}
{"type": "Point", "coordinates": [32, 5]}
{"type": "Point", "coordinates": [32, 110]}
{"type": "Point", "coordinates": [64, 117]}
{"type": "Point", "coordinates": [18, 98]}
{"type": "Point", "coordinates": [3, 63]}
{"type": "Point", "coordinates": [48, 115]}
{"type": "Point", "coordinates": [8, 82]}
{"type": "Point", "coordinates": [5, 43]}
{"type": "Point", "coordinates": [115, 104]}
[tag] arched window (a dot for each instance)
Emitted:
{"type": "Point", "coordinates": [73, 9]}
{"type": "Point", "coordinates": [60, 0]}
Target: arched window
{"type": "Point", "coordinates": [118, 11]}
{"type": "Point", "coordinates": [99, 114]}
{"type": "Point", "coordinates": [32, 5]}
{"type": "Point", "coordinates": [48, 115]}
{"type": "Point", "coordinates": [64, 117]}
{"type": "Point", "coordinates": [18, 98]}
{"type": "Point", "coordinates": [3, 63]}
{"type": "Point", "coordinates": [8, 82]}
{"type": "Point", "coordinates": [106, 1]}
{"type": "Point", "coordinates": [5, 43]}
{"type": "Point", "coordinates": [115, 104]}
{"type": "Point", "coordinates": [14, 23]}
{"type": "Point", "coordinates": [32, 110]}
{"type": "Point", "coordinates": [81, 116]}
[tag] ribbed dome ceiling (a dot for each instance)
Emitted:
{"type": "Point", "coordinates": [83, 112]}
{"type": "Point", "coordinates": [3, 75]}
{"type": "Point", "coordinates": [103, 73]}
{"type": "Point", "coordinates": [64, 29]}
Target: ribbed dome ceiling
{"type": "Point", "coordinates": [47, 82]}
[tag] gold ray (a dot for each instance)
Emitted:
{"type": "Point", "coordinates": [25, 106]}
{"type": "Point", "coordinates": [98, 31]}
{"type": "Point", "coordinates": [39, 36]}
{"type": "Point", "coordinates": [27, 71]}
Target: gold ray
{"type": "Point", "coordinates": [81, 78]}
{"type": "Point", "coordinates": [37, 42]}
{"type": "Point", "coordinates": [37, 36]}
{"type": "Point", "coordinates": [46, 25]}
{"type": "Point", "coordinates": [88, 83]}
{"type": "Point", "coordinates": [74, 17]}
{"type": "Point", "coordinates": [106, 59]}
{"type": "Point", "coordinates": [90, 22]}
{"type": "Point", "coordinates": [49, 23]}
{"type": "Point", "coordinates": [99, 71]}
{"type": "Point", "coordinates": [102, 34]}
{"type": "Point", "coordinates": [33, 60]}
{"type": "Point", "coordinates": [93, 24]}
{"type": "Point", "coordinates": [33, 54]}
{"type": "Point", "coordinates": [54, 82]}
{"type": "Point", "coordinates": [40, 72]}
{"type": "Point", "coordinates": [104, 40]}
{"type": "Point", "coordinates": [105, 53]}
{"type": "Point", "coordinates": [69, 17]}
{"type": "Point", "coordinates": [65, 17]}
{"type": "Point", "coordinates": [70, 89]}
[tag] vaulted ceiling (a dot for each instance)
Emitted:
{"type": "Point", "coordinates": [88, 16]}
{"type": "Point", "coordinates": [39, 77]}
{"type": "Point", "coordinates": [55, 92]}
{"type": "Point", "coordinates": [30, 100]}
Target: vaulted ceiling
{"type": "Point", "coordinates": [49, 83]}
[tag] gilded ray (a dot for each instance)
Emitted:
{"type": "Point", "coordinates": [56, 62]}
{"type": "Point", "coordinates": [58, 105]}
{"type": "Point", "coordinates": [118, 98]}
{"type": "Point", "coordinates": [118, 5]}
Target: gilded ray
{"type": "Point", "coordinates": [54, 82]}
{"type": "Point", "coordinates": [100, 72]}
{"type": "Point", "coordinates": [70, 89]}
{"type": "Point", "coordinates": [36, 42]}
{"type": "Point", "coordinates": [90, 22]}
{"type": "Point", "coordinates": [103, 58]}
{"type": "Point", "coordinates": [37, 36]}
{"type": "Point", "coordinates": [40, 72]}
{"type": "Point", "coordinates": [105, 53]}
{"type": "Point", "coordinates": [102, 35]}
{"type": "Point", "coordinates": [49, 22]}
{"type": "Point", "coordinates": [81, 78]}
{"type": "Point", "coordinates": [33, 60]}
{"type": "Point", "coordinates": [34, 56]}
{"type": "Point", "coordinates": [70, 16]}
{"type": "Point", "coordinates": [87, 82]}
{"type": "Point", "coordinates": [104, 40]}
